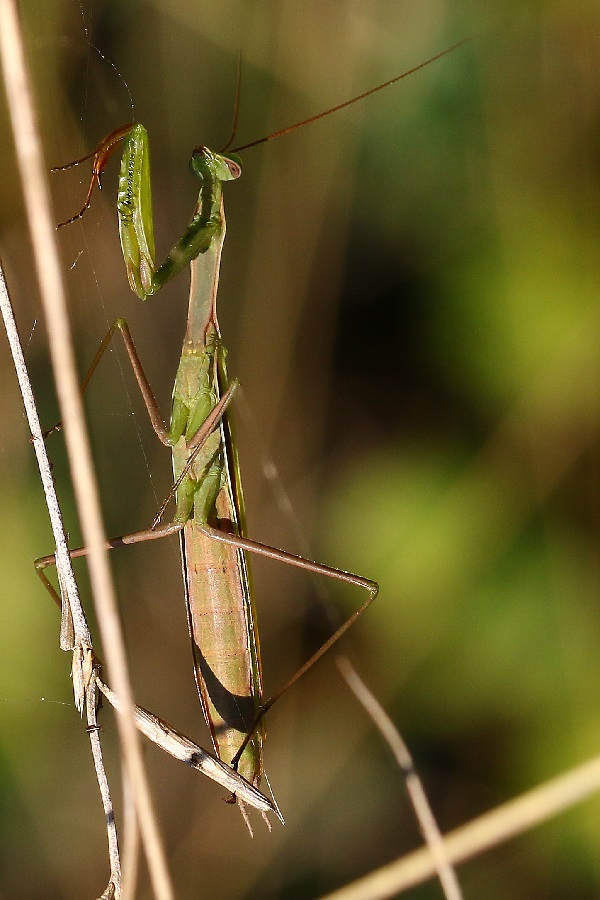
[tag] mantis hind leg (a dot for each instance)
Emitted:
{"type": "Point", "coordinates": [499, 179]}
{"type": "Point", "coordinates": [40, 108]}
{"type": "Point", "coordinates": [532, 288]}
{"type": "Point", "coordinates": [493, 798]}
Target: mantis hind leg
{"type": "Point", "coordinates": [310, 566]}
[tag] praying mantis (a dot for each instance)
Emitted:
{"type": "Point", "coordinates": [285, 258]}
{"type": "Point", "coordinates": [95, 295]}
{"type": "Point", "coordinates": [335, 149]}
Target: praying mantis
{"type": "Point", "coordinates": [210, 516]}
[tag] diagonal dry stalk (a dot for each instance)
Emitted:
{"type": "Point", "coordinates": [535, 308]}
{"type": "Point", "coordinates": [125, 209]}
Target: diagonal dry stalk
{"type": "Point", "coordinates": [495, 827]}
{"type": "Point", "coordinates": [37, 200]}
{"type": "Point", "coordinates": [429, 828]}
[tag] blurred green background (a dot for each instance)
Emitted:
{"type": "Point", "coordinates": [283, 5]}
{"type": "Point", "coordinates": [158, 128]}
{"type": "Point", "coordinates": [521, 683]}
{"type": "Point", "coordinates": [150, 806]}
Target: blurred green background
{"type": "Point", "coordinates": [410, 295]}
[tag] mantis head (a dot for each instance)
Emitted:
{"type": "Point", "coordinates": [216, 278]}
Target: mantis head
{"type": "Point", "coordinates": [213, 166]}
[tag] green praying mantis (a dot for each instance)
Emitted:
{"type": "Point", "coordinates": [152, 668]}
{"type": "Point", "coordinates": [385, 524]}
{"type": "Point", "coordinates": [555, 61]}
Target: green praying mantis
{"type": "Point", "coordinates": [209, 517]}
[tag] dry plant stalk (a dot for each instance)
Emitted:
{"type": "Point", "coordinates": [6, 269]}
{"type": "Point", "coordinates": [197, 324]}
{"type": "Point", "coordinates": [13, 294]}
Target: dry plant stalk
{"type": "Point", "coordinates": [37, 201]}
{"type": "Point", "coordinates": [75, 635]}
{"type": "Point", "coordinates": [495, 827]}
{"type": "Point", "coordinates": [414, 786]}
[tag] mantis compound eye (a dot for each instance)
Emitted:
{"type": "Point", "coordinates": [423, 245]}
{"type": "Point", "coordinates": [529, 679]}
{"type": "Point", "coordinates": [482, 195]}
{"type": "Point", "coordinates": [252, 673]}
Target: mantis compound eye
{"type": "Point", "coordinates": [234, 167]}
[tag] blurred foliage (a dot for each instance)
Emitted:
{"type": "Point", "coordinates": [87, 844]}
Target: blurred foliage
{"type": "Point", "coordinates": [410, 297]}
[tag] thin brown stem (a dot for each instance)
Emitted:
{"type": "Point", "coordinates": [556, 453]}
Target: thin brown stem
{"type": "Point", "coordinates": [43, 236]}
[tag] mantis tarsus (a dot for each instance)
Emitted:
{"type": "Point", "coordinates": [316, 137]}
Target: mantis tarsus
{"type": "Point", "coordinates": [209, 503]}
